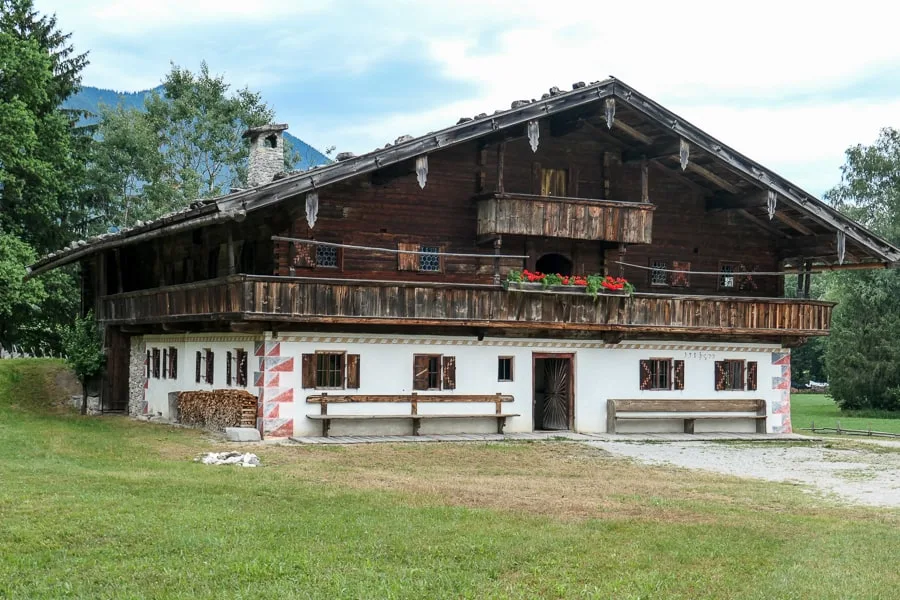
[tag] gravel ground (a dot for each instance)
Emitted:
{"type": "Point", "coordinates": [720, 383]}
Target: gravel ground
{"type": "Point", "coordinates": [855, 475]}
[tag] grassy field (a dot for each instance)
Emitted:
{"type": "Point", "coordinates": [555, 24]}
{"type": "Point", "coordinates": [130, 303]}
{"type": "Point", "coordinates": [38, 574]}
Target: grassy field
{"type": "Point", "coordinates": [821, 410]}
{"type": "Point", "coordinates": [110, 508]}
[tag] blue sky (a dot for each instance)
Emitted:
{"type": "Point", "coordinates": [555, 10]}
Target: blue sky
{"type": "Point", "coordinates": [790, 84]}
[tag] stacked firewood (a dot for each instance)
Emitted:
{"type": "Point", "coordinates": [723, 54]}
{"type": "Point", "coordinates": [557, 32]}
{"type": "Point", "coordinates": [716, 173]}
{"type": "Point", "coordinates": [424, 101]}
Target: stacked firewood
{"type": "Point", "coordinates": [217, 409]}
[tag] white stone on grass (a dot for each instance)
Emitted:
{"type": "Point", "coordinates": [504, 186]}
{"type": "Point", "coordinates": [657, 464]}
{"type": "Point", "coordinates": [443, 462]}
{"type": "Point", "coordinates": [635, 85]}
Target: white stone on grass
{"type": "Point", "coordinates": [229, 458]}
{"type": "Point", "coordinates": [242, 434]}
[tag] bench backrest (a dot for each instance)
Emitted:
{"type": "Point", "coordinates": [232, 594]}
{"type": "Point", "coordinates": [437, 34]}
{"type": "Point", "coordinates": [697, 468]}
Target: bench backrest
{"type": "Point", "coordinates": [414, 399]}
{"type": "Point", "coordinates": [724, 405]}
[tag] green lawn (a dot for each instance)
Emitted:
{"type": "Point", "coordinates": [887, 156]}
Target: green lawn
{"type": "Point", "coordinates": [110, 508]}
{"type": "Point", "coordinates": [821, 410]}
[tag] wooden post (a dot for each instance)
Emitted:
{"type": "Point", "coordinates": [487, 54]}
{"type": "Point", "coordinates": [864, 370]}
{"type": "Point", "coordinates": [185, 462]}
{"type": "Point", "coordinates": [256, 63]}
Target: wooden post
{"type": "Point", "coordinates": [621, 259]}
{"type": "Point", "coordinates": [645, 182]}
{"type": "Point", "coordinates": [497, 243]}
{"type": "Point", "coordinates": [808, 279]}
{"type": "Point", "coordinates": [120, 287]}
{"type": "Point", "coordinates": [501, 151]}
{"type": "Point", "coordinates": [231, 267]}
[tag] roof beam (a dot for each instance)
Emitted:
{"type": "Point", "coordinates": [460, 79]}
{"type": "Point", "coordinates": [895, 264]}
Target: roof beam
{"type": "Point", "coordinates": [762, 224]}
{"type": "Point", "coordinates": [707, 174]}
{"type": "Point", "coordinates": [723, 202]}
{"type": "Point", "coordinates": [632, 132]}
{"type": "Point", "coordinates": [793, 223]}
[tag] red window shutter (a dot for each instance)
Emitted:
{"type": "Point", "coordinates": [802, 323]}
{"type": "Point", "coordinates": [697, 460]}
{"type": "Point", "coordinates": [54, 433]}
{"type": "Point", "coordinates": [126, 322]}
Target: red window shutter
{"type": "Point", "coordinates": [173, 367]}
{"type": "Point", "coordinates": [309, 371]}
{"type": "Point", "coordinates": [210, 366]}
{"type": "Point", "coordinates": [420, 372]}
{"type": "Point", "coordinates": [751, 375]}
{"type": "Point", "coordinates": [720, 375]}
{"type": "Point", "coordinates": [353, 371]}
{"type": "Point", "coordinates": [242, 367]}
{"type": "Point", "coordinates": [646, 376]}
{"type": "Point", "coordinates": [228, 368]}
{"type": "Point", "coordinates": [449, 368]}
{"type": "Point", "coordinates": [679, 374]}
{"type": "Point", "coordinates": [197, 376]}
{"type": "Point", "coordinates": [408, 262]}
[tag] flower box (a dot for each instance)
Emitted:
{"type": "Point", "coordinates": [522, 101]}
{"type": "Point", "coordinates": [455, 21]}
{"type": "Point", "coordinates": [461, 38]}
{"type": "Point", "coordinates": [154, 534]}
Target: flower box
{"type": "Point", "coordinates": [568, 284]}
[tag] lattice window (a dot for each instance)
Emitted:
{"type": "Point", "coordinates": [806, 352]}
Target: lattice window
{"type": "Point", "coordinates": [329, 369]}
{"type": "Point", "coordinates": [656, 374]}
{"type": "Point", "coordinates": [430, 259]}
{"type": "Point", "coordinates": [326, 256]}
{"type": "Point", "coordinates": [727, 278]}
{"type": "Point", "coordinates": [658, 274]}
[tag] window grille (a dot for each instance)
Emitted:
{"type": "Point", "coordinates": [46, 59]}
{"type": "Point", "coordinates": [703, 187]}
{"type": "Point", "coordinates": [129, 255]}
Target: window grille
{"type": "Point", "coordinates": [430, 260]}
{"type": "Point", "coordinates": [326, 256]}
{"type": "Point", "coordinates": [658, 275]}
{"type": "Point", "coordinates": [329, 370]}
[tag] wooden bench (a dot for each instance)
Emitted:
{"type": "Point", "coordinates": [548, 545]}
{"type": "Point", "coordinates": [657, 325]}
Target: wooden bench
{"type": "Point", "coordinates": [323, 400]}
{"type": "Point", "coordinates": [687, 410]}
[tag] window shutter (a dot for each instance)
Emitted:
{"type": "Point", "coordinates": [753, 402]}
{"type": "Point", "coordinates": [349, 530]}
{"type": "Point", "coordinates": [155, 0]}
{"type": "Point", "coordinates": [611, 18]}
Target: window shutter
{"type": "Point", "coordinates": [646, 376]}
{"type": "Point", "coordinates": [228, 368]}
{"type": "Point", "coordinates": [173, 368]}
{"type": "Point", "coordinates": [536, 178]}
{"type": "Point", "coordinates": [165, 362]}
{"type": "Point", "coordinates": [420, 372]}
{"type": "Point", "coordinates": [210, 365]}
{"type": "Point", "coordinates": [679, 374]}
{"type": "Point", "coordinates": [449, 372]}
{"type": "Point", "coordinates": [353, 371]}
{"type": "Point", "coordinates": [242, 367]}
{"type": "Point", "coordinates": [309, 371]}
{"type": "Point", "coordinates": [197, 376]}
{"type": "Point", "coordinates": [751, 375]}
{"type": "Point", "coordinates": [408, 262]}
{"type": "Point", "coordinates": [156, 363]}
{"type": "Point", "coordinates": [720, 375]}
{"type": "Point", "coordinates": [148, 364]}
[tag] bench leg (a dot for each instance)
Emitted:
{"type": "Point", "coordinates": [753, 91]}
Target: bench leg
{"type": "Point", "coordinates": [689, 426]}
{"type": "Point", "coordinates": [416, 423]}
{"type": "Point", "coordinates": [326, 425]}
{"type": "Point", "coordinates": [760, 425]}
{"type": "Point", "coordinates": [501, 423]}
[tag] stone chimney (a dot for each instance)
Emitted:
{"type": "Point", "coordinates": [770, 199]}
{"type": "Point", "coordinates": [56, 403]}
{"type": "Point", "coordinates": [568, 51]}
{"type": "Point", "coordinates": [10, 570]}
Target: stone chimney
{"type": "Point", "coordinates": [266, 153]}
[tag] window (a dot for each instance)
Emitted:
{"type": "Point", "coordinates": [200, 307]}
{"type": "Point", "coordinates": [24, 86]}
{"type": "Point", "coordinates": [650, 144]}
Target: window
{"type": "Point", "coordinates": [173, 363]}
{"type": "Point", "coordinates": [662, 374]}
{"type": "Point", "coordinates": [430, 260]}
{"type": "Point", "coordinates": [727, 278]}
{"type": "Point", "coordinates": [658, 273]}
{"type": "Point", "coordinates": [553, 182]}
{"type": "Point", "coordinates": [505, 368]}
{"type": "Point", "coordinates": [327, 370]}
{"type": "Point", "coordinates": [241, 359]}
{"type": "Point", "coordinates": [730, 375]}
{"type": "Point", "coordinates": [148, 364]}
{"type": "Point", "coordinates": [198, 364]}
{"type": "Point", "coordinates": [326, 256]}
{"type": "Point", "coordinates": [165, 363]}
{"type": "Point", "coordinates": [156, 363]}
{"type": "Point", "coordinates": [210, 363]}
{"type": "Point", "coordinates": [228, 368]}
{"type": "Point", "coordinates": [434, 372]}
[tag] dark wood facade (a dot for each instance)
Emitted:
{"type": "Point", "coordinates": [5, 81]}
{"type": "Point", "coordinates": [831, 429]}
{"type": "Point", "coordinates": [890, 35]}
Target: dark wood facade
{"type": "Point", "coordinates": [304, 302]}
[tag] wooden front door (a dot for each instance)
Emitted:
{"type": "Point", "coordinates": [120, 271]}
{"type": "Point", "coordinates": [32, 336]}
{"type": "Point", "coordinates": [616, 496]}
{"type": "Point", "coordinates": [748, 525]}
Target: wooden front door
{"type": "Point", "coordinates": [553, 376]}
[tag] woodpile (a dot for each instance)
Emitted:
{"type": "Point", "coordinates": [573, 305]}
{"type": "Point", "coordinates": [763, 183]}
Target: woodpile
{"type": "Point", "coordinates": [217, 409]}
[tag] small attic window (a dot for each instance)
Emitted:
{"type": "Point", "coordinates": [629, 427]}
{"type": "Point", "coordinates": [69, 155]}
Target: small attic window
{"type": "Point", "coordinates": [271, 141]}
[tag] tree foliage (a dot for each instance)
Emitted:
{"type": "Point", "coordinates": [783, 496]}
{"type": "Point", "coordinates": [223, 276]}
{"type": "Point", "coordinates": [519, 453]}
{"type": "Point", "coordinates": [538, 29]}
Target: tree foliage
{"type": "Point", "coordinates": [19, 299]}
{"type": "Point", "coordinates": [84, 352]}
{"type": "Point", "coordinates": [862, 354]}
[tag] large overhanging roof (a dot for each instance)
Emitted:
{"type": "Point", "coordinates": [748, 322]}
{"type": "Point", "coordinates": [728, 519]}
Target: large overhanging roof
{"type": "Point", "coordinates": [806, 227]}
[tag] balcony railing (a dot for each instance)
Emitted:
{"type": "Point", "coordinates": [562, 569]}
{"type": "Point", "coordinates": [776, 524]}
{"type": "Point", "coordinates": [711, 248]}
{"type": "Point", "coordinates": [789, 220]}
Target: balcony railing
{"type": "Point", "coordinates": [571, 218]}
{"type": "Point", "coordinates": [347, 301]}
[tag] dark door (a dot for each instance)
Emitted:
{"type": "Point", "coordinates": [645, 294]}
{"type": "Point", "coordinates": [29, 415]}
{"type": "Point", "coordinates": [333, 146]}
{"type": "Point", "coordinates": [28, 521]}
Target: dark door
{"type": "Point", "coordinates": [552, 392]}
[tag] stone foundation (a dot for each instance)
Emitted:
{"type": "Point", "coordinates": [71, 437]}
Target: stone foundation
{"type": "Point", "coordinates": [137, 377]}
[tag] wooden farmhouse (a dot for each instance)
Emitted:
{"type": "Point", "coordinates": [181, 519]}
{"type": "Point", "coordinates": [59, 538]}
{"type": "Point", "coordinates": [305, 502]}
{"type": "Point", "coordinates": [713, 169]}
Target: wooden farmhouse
{"type": "Point", "coordinates": [371, 295]}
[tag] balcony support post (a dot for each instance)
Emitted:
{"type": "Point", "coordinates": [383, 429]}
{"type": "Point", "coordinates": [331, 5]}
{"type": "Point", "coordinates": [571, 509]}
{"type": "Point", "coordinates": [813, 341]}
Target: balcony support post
{"type": "Point", "coordinates": [497, 244]}
{"type": "Point", "coordinates": [231, 267]}
{"type": "Point", "coordinates": [645, 180]}
{"type": "Point", "coordinates": [501, 151]}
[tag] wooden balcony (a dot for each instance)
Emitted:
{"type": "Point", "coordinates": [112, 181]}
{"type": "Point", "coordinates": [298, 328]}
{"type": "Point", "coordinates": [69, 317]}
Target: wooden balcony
{"type": "Point", "coordinates": [571, 218]}
{"type": "Point", "coordinates": [244, 298]}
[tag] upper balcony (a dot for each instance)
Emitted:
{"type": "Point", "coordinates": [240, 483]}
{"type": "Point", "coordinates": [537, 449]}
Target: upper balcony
{"type": "Point", "coordinates": [299, 300]}
{"type": "Point", "coordinates": [572, 218]}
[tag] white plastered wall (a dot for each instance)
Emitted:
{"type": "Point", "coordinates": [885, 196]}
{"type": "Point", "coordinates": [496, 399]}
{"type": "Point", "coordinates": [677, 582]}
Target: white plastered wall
{"type": "Point", "coordinates": [602, 371]}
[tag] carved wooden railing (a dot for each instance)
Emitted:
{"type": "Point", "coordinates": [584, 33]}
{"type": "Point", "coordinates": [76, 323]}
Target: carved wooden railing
{"type": "Point", "coordinates": [347, 301]}
{"type": "Point", "coordinates": [571, 218]}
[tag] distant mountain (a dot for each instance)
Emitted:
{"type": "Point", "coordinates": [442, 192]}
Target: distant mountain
{"type": "Point", "coordinates": [90, 98]}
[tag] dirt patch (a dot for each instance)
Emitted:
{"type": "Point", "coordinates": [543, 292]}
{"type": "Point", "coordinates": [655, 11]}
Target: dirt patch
{"type": "Point", "coordinates": [559, 479]}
